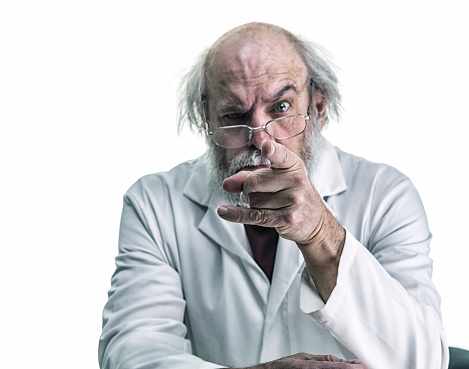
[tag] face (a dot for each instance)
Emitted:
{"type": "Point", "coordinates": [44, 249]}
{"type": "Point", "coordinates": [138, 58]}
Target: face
{"type": "Point", "coordinates": [251, 82]}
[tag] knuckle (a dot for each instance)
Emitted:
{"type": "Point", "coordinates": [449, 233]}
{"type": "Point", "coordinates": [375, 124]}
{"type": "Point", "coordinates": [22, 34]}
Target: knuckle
{"type": "Point", "coordinates": [300, 180]}
{"type": "Point", "coordinates": [290, 217]}
{"type": "Point", "coordinates": [239, 216]}
{"type": "Point", "coordinates": [259, 216]}
{"type": "Point", "coordinates": [263, 217]}
{"type": "Point", "coordinates": [297, 200]}
{"type": "Point", "coordinates": [252, 182]}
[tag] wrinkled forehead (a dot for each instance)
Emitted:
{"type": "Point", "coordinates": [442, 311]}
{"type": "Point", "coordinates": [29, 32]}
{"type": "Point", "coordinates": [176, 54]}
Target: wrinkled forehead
{"type": "Point", "coordinates": [253, 61]}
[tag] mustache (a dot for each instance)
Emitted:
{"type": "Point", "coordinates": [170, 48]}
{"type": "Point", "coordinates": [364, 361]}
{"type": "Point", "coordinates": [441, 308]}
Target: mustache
{"type": "Point", "coordinates": [252, 157]}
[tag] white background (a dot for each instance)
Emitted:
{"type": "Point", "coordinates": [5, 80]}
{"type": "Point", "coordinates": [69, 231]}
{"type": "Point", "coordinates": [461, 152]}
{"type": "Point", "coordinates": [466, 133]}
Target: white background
{"type": "Point", "coordinates": [88, 105]}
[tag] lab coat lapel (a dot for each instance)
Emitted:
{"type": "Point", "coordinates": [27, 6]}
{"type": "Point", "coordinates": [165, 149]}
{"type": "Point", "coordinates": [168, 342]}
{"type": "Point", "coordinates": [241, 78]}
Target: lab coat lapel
{"type": "Point", "coordinates": [227, 235]}
{"type": "Point", "coordinates": [288, 263]}
{"type": "Point", "coordinates": [231, 237]}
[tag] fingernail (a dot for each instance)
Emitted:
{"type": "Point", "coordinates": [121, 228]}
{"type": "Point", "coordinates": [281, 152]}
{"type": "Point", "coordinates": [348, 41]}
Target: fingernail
{"type": "Point", "coordinates": [222, 211]}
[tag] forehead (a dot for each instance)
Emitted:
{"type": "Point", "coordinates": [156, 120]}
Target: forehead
{"type": "Point", "coordinates": [246, 66]}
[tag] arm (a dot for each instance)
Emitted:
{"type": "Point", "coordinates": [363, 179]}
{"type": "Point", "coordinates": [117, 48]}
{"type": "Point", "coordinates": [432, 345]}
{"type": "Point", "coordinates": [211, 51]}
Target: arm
{"type": "Point", "coordinates": [143, 319]}
{"type": "Point", "coordinates": [381, 306]}
{"type": "Point", "coordinates": [384, 307]}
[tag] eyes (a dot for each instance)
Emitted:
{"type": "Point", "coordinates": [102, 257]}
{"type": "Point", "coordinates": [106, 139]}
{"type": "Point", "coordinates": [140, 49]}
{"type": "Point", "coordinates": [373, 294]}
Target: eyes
{"type": "Point", "coordinates": [278, 109]}
{"type": "Point", "coordinates": [235, 115]}
{"type": "Point", "coordinates": [282, 106]}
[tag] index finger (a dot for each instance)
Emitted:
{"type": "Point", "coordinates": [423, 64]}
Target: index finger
{"type": "Point", "coordinates": [280, 157]}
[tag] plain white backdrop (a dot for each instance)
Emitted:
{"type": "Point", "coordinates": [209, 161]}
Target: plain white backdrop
{"type": "Point", "coordinates": [88, 105]}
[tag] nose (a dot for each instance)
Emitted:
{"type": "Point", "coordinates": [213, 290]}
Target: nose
{"type": "Point", "coordinates": [259, 136]}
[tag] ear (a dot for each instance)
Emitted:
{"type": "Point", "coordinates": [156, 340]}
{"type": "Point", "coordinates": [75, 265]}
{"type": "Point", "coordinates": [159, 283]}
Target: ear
{"type": "Point", "coordinates": [201, 112]}
{"type": "Point", "coordinates": [320, 107]}
{"type": "Point", "coordinates": [202, 109]}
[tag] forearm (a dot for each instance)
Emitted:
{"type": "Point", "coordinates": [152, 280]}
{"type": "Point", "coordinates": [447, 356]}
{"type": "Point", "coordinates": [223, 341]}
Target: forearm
{"type": "Point", "coordinates": [146, 350]}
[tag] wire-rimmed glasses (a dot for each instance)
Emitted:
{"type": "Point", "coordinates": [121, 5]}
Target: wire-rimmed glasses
{"type": "Point", "coordinates": [282, 128]}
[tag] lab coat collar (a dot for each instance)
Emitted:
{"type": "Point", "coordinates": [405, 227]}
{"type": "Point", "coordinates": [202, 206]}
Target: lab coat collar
{"type": "Point", "coordinates": [328, 177]}
{"type": "Point", "coordinates": [199, 187]}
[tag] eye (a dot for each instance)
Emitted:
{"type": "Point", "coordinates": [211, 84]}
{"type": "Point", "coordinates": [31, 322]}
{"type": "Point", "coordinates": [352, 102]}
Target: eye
{"type": "Point", "coordinates": [235, 115]}
{"type": "Point", "coordinates": [282, 107]}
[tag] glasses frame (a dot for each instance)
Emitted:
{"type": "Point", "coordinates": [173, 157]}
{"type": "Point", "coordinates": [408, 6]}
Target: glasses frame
{"type": "Point", "coordinates": [264, 127]}
{"type": "Point", "coordinates": [252, 129]}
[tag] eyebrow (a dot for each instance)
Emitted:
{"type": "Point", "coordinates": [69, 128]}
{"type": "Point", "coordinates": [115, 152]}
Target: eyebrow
{"type": "Point", "coordinates": [239, 107]}
{"type": "Point", "coordinates": [282, 92]}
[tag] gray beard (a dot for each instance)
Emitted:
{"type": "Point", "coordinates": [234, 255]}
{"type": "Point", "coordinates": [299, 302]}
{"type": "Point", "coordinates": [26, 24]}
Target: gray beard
{"type": "Point", "coordinates": [220, 169]}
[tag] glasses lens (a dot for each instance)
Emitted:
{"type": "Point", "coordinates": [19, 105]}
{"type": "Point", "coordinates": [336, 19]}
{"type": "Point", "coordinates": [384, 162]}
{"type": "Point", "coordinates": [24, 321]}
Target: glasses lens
{"type": "Point", "coordinates": [286, 127]}
{"type": "Point", "coordinates": [230, 137]}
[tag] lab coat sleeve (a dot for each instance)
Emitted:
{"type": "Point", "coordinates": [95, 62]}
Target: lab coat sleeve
{"type": "Point", "coordinates": [384, 308]}
{"type": "Point", "coordinates": [143, 318]}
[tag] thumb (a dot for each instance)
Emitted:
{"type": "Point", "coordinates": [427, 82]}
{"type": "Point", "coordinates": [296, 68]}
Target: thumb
{"type": "Point", "coordinates": [279, 155]}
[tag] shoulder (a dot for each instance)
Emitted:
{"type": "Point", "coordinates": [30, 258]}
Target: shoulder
{"type": "Point", "coordinates": [378, 189]}
{"type": "Point", "coordinates": [162, 186]}
{"type": "Point", "coordinates": [380, 202]}
{"type": "Point", "coordinates": [360, 172]}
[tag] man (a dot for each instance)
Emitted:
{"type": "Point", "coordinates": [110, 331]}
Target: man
{"type": "Point", "coordinates": [275, 242]}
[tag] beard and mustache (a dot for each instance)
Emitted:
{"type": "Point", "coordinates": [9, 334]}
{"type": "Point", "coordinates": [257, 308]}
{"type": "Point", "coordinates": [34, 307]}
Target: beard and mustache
{"type": "Point", "coordinates": [220, 168]}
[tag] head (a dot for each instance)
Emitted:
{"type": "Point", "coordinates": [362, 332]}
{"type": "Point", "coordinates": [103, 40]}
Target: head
{"type": "Point", "coordinates": [251, 75]}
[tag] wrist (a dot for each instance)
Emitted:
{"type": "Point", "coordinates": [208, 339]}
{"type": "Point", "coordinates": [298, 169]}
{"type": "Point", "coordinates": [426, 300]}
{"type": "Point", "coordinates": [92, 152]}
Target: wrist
{"type": "Point", "coordinates": [322, 256]}
{"type": "Point", "coordinates": [324, 247]}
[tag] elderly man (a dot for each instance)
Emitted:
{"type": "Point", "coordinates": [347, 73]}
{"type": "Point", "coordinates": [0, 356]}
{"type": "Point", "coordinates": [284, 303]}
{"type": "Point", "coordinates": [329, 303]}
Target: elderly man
{"type": "Point", "coordinates": [275, 242]}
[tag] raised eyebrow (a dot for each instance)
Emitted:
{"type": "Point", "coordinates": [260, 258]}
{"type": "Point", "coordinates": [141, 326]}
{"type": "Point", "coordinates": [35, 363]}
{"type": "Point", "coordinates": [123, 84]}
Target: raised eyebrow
{"type": "Point", "coordinates": [282, 92]}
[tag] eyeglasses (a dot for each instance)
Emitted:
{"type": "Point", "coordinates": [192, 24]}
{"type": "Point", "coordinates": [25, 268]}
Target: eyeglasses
{"type": "Point", "coordinates": [231, 137]}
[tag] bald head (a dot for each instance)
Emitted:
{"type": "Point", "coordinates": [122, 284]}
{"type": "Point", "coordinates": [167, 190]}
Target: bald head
{"type": "Point", "coordinates": [251, 32]}
{"type": "Point", "coordinates": [251, 50]}
{"type": "Point", "coordinates": [251, 64]}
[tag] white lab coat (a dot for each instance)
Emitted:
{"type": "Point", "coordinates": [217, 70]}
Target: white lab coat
{"type": "Point", "coordinates": [187, 293]}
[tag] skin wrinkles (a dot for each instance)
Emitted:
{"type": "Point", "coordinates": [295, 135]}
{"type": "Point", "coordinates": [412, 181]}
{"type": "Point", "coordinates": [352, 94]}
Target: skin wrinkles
{"type": "Point", "coordinates": [239, 76]}
{"type": "Point", "coordinates": [248, 60]}
{"type": "Point", "coordinates": [240, 98]}
{"type": "Point", "coordinates": [249, 99]}
{"type": "Point", "coordinates": [279, 94]}
{"type": "Point", "coordinates": [235, 103]}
